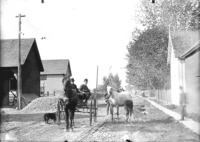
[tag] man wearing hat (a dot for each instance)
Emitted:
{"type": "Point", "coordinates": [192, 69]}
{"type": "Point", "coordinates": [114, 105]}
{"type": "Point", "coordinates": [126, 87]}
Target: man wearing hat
{"type": "Point", "coordinates": [73, 86]}
{"type": "Point", "coordinates": [85, 89]}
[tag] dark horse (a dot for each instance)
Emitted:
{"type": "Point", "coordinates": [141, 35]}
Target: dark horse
{"type": "Point", "coordinates": [70, 102]}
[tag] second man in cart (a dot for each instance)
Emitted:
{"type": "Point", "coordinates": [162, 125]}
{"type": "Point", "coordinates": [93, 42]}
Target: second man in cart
{"type": "Point", "coordinates": [85, 89]}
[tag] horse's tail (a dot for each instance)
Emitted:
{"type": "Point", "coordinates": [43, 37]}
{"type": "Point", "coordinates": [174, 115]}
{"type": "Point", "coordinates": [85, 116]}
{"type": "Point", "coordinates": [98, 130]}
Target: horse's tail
{"type": "Point", "coordinates": [128, 106]}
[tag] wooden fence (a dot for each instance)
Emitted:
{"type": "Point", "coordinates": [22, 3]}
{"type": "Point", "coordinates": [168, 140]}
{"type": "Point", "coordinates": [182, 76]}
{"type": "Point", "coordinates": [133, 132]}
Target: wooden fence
{"type": "Point", "coordinates": [160, 95]}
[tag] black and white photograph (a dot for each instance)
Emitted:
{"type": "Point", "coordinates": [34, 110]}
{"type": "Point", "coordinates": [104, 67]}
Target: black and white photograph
{"type": "Point", "coordinates": [100, 70]}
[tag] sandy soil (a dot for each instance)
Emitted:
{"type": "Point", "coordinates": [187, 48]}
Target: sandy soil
{"type": "Point", "coordinates": [155, 126]}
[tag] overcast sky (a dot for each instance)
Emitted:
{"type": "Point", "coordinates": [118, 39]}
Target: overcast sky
{"type": "Point", "coordinates": [87, 32]}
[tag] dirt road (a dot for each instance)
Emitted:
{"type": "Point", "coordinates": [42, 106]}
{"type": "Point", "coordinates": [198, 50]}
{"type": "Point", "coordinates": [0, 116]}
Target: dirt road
{"type": "Point", "coordinates": [155, 126]}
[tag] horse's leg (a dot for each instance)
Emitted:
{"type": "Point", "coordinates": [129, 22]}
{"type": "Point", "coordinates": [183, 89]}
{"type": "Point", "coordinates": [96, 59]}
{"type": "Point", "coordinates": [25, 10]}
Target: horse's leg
{"type": "Point", "coordinates": [72, 118]}
{"type": "Point", "coordinates": [73, 123]}
{"type": "Point", "coordinates": [58, 113]}
{"type": "Point", "coordinates": [111, 112]}
{"type": "Point", "coordinates": [130, 117]}
{"type": "Point", "coordinates": [131, 112]}
{"type": "Point", "coordinates": [108, 106]}
{"type": "Point", "coordinates": [67, 118]}
{"type": "Point", "coordinates": [127, 114]}
{"type": "Point", "coordinates": [126, 109]}
{"type": "Point", "coordinates": [117, 112]}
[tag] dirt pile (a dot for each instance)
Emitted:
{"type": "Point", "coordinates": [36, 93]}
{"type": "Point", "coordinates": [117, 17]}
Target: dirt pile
{"type": "Point", "coordinates": [42, 104]}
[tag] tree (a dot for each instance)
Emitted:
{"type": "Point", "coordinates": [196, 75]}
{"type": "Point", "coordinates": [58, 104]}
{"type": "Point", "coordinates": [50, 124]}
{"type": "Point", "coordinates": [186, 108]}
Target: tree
{"type": "Point", "coordinates": [147, 52]}
{"type": "Point", "coordinates": [147, 59]}
{"type": "Point", "coordinates": [176, 13]}
{"type": "Point", "coordinates": [116, 82]}
{"type": "Point", "coordinates": [194, 21]}
{"type": "Point", "coordinates": [113, 81]}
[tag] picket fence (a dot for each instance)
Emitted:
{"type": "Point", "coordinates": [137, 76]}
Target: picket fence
{"type": "Point", "coordinates": [160, 95]}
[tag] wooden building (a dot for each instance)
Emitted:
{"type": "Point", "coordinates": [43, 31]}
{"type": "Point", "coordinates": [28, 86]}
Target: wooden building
{"type": "Point", "coordinates": [31, 68]}
{"type": "Point", "coordinates": [192, 77]}
{"type": "Point", "coordinates": [51, 78]}
{"type": "Point", "coordinates": [183, 57]}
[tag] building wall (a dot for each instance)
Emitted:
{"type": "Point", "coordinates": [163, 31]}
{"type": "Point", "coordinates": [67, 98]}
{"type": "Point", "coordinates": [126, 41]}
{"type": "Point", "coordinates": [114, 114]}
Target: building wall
{"type": "Point", "coordinates": [4, 89]}
{"type": "Point", "coordinates": [5, 75]}
{"type": "Point", "coordinates": [192, 70]}
{"type": "Point", "coordinates": [53, 83]}
{"type": "Point", "coordinates": [174, 69]}
{"type": "Point", "coordinates": [31, 77]}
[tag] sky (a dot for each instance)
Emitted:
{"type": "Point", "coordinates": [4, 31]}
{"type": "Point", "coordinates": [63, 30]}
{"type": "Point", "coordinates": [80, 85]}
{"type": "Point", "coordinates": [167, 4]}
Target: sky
{"type": "Point", "coordinates": [89, 33]}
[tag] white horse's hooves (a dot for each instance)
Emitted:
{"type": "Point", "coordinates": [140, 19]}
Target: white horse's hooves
{"type": "Point", "coordinates": [65, 130]}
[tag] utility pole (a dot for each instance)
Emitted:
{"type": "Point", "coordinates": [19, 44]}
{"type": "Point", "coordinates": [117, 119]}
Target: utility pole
{"type": "Point", "coordinates": [95, 99]}
{"type": "Point", "coordinates": [19, 82]}
{"type": "Point", "coordinates": [110, 80]}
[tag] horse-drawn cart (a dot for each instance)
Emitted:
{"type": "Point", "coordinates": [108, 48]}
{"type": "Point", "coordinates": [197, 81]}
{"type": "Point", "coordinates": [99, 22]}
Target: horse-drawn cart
{"type": "Point", "coordinates": [73, 103]}
{"type": "Point", "coordinates": [90, 107]}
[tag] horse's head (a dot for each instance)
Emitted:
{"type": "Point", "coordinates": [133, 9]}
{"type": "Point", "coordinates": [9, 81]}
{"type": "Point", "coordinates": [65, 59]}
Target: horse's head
{"type": "Point", "coordinates": [66, 83]}
{"type": "Point", "coordinates": [109, 91]}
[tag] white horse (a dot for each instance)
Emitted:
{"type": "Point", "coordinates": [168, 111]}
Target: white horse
{"type": "Point", "coordinates": [116, 99]}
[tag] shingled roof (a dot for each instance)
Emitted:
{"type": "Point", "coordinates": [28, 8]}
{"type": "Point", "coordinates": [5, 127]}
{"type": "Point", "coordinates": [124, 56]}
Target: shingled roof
{"type": "Point", "coordinates": [9, 52]}
{"type": "Point", "coordinates": [56, 66]}
{"type": "Point", "coordinates": [183, 40]}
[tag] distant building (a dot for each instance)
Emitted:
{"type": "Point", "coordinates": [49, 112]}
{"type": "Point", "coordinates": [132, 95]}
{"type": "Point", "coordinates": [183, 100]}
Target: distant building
{"type": "Point", "coordinates": [51, 78]}
{"type": "Point", "coordinates": [31, 68]}
{"type": "Point", "coordinates": [184, 59]}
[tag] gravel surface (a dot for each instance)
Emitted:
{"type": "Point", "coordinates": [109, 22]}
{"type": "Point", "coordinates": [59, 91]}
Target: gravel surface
{"type": "Point", "coordinates": [42, 104]}
{"type": "Point", "coordinates": [155, 126]}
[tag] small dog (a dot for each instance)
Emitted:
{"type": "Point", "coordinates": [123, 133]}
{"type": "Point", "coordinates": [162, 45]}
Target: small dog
{"type": "Point", "coordinates": [48, 116]}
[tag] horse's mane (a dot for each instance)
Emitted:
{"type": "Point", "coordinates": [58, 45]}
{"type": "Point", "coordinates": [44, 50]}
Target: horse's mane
{"type": "Point", "coordinates": [68, 88]}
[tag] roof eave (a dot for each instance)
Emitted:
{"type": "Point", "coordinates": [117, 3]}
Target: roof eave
{"type": "Point", "coordinates": [191, 50]}
{"type": "Point", "coordinates": [39, 58]}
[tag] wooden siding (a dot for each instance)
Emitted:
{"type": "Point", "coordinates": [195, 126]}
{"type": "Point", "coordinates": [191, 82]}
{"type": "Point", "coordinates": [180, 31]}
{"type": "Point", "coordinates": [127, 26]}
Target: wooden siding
{"type": "Point", "coordinates": [52, 84]}
{"type": "Point", "coordinates": [4, 89]}
{"type": "Point", "coordinates": [192, 70]}
{"type": "Point", "coordinates": [175, 79]}
{"type": "Point", "coordinates": [5, 75]}
{"type": "Point", "coordinates": [31, 76]}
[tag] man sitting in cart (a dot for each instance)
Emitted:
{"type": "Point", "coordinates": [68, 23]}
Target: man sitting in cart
{"type": "Point", "coordinates": [81, 95]}
{"type": "Point", "coordinates": [85, 89]}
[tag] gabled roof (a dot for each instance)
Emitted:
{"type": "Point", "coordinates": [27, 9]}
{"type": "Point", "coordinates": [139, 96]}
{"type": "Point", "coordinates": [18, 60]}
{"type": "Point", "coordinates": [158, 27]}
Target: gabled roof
{"type": "Point", "coordinates": [9, 52]}
{"type": "Point", "coordinates": [194, 48]}
{"type": "Point", "coordinates": [181, 41]}
{"type": "Point", "coordinates": [56, 66]}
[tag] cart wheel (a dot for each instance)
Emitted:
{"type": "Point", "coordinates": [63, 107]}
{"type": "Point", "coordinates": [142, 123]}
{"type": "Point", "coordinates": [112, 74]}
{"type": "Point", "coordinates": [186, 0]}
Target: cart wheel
{"type": "Point", "coordinates": [91, 113]}
{"type": "Point", "coordinates": [58, 117]}
{"type": "Point", "coordinates": [95, 112]}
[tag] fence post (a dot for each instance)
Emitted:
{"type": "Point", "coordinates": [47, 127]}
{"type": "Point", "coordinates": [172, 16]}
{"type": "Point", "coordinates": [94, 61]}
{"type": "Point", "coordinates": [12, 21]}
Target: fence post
{"type": "Point", "coordinates": [161, 96]}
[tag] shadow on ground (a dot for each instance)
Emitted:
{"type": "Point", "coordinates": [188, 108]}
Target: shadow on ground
{"type": "Point", "coordinates": [38, 117]}
{"type": "Point", "coordinates": [144, 126]}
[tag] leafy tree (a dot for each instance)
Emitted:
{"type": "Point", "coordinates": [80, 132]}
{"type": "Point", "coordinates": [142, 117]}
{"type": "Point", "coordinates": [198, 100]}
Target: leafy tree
{"type": "Point", "coordinates": [113, 81]}
{"type": "Point", "coordinates": [105, 81]}
{"type": "Point", "coordinates": [116, 82]}
{"type": "Point", "coordinates": [176, 13]}
{"type": "Point", "coordinates": [147, 52]}
{"type": "Point", "coordinates": [147, 59]}
{"type": "Point", "coordinates": [194, 21]}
